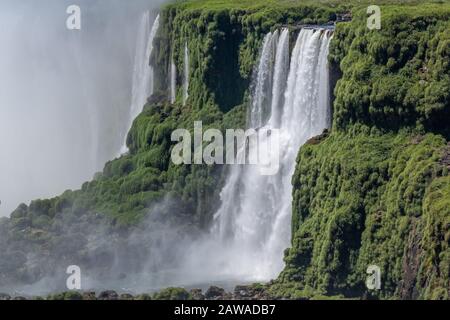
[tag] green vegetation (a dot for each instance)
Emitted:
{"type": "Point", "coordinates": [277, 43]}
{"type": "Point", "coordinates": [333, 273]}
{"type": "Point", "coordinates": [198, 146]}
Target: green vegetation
{"type": "Point", "coordinates": [284, 5]}
{"type": "Point", "coordinates": [359, 200]}
{"type": "Point", "coordinates": [373, 190]}
{"type": "Point", "coordinates": [224, 41]}
{"type": "Point", "coordinates": [172, 294]}
{"type": "Point", "coordinates": [397, 76]}
{"type": "Point", "coordinates": [224, 46]}
{"type": "Point", "coordinates": [69, 295]}
{"type": "Point", "coordinates": [223, 49]}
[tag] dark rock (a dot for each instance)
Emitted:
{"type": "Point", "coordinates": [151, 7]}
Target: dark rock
{"type": "Point", "coordinates": [108, 295]}
{"type": "Point", "coordinates": [344, 17]}
{"type": "Point", "coordinates": [254, 292]}
{"type": "Point", "coordinates": [244, 292]}
{"type": "Point", "coordinates": [445, 161]}
{"type": "Point", "coordinates": [318, 139]}
{"type": "Point", "coordinates": [19, 298]}
{"type": "Point", "coordinates": [214, 293]}
{"type": "Point", "coordinates": [4, 296]}
{"type": "Point", "coordinates": [197, 294]}
{"type": "Point", "coordinates": [227, 296]}
{"type": "Point", "coordinates": [89, 296]}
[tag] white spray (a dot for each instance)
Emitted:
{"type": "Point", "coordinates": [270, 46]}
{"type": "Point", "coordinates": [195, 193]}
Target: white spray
{"type": "Point", "coordinates": [252, 228]}
{"type": "Point", "coordinates": [254, 222]}
{"type": "Point", "coordinates": [143, 75]}
{"type": "Point", "coordinates": [64, 94]}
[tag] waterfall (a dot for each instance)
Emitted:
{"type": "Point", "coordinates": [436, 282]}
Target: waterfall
{"type": "Point", "coordinates": [173, 81]}
{"type": "Point", "coordinates": [80, 85]}
{"type": "Point", "coordinates": [186, 74]}
{"type": "Point", "coordinates": [262, 92]}
{"type": "Point", "coordinates": [253, 223]}
{"type": "Point", "coordinates": [280, 76]}
{"type": "Point", "coordinates": [142, 72]}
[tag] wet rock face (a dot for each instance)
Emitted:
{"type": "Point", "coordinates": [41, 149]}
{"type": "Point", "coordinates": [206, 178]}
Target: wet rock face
{"type": "Point", "coordinates": [250, 293]}
{"type": "Point", "coordinates": [214, 293]}
{"type": "Point", "coordinates": [197, 294]}
{"type": "Point", "coordinates": [245, 292]}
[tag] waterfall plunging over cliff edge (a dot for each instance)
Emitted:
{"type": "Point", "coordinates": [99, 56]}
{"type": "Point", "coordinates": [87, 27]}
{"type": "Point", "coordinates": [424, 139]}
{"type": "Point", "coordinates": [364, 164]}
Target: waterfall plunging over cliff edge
{"type": "Point", "coordinates": [253, 225]}
{"type": "Point", "coordinates": [143, 71]}
{"type": "Point", "coordinates": [173, 81]}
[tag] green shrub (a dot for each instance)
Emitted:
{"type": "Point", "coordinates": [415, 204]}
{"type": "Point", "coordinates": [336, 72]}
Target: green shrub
{"type": "Point", "coordinates": [172, 294]}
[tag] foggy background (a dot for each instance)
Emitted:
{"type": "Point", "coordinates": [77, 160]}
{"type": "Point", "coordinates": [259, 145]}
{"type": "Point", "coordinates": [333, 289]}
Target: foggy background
{"type": "Point", "coordinates": [65, 94]}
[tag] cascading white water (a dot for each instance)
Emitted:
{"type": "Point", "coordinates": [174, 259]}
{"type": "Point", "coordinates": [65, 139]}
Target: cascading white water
{"type": "Point", "coordinates": [186, 74]}
{"type": "Point", "coordinates": [263, 86]}
{"type": "Point", "coordinates": [173, 81]}
{"type": "Point", "coordinates": [280, 77]}
{"type": "Point", "coordinates": [142, 72]}
{"type": "Point", "coordinates": [65, 95]}
{"type": "Point", "coordinates": [254, 221]}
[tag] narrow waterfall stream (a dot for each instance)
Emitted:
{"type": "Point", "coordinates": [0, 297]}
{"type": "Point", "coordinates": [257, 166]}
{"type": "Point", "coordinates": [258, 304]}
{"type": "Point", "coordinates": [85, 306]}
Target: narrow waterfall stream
{"type": "Point", "coordinates": [186, 74]}
{"type": "Point", "coordinates": [142, 72]}
{"type": "Point", "coordinates": [173, 81]}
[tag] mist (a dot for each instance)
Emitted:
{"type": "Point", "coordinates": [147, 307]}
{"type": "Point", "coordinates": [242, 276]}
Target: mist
{"type": "Point", "coordinates": [65, 95]}
{"type": "Point", "coordinates": [162, 251]}
{"type": "Point", "coordinates": [66, 101]}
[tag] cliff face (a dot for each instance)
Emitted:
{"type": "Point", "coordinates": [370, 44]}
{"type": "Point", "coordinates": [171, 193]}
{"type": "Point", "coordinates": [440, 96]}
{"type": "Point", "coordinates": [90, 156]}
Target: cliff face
{"type": "Point", "coordinates": [375, 190]}
{"type": "Point", "coordinates": [372, 191]}
{"type": "Point", "coordinates": [89, 227]}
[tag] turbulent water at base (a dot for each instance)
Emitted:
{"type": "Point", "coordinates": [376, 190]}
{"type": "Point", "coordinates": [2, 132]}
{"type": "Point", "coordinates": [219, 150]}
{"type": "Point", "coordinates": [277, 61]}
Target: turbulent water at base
{"type": "Point", "coordinates": [253, 224]}
{"type": "Point", "coordinates": [142, 72]}
{"type": "Point", "coordinates": [252, 228]}
{"type": "Point", "coordinates": [186, 74]}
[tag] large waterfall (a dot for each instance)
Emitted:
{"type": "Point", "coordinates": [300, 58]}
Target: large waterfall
{"type": "Point", "coordinates": [65, 95]}
{"type": "Point", "coordinates": [142, 72]}
{"type": "Point", "coordinates": [254, 221]}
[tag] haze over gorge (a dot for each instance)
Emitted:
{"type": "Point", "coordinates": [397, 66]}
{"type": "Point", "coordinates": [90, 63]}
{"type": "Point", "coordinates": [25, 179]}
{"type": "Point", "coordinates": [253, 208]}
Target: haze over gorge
{"type": "Point", "coordinates": [363, 165]}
